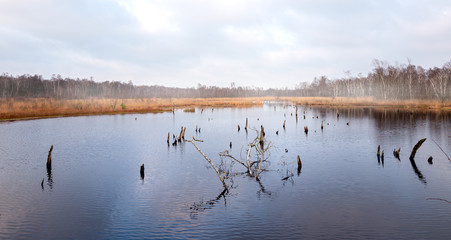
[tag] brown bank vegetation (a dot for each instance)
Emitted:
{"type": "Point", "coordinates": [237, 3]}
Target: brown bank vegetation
{"type": "Point", "coordinates": [47, 107]}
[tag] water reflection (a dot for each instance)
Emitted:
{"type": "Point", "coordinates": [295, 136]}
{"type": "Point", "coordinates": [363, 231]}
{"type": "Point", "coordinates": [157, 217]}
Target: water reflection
{"type": "Point", "coordinates": [417, 171]}
{"type": "Point", "coordinates": [201, 206]}
{"type": "Point", "coordinates": [341, 193]}
{"type": "Point", "coordinates": [49, 178]}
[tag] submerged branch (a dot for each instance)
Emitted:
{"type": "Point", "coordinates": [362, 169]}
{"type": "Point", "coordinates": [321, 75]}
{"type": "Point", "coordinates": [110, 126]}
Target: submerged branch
{"type": "Point", "coordinates": [248, 157]}
{"type": "Point", "coordinates": [439, 199]}
{"type": "Point", "coordinates": [227, 154]}
{"type": "Point", "coordinates": [441, 149]}
{"type": "Point", "coordinates": [211, 163]}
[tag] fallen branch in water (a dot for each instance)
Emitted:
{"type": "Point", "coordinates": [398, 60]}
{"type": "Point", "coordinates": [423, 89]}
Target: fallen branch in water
{"type": "Point", "coordinates": [227, 154]}
{"type": "Point", "coordinates": [441, 149]}
{"type": "Point", "coordinates": [439, 199]}
{"type": "Point", "coordinates": [258, 144]}
{"type": "Point", "coordinates": [262, 151]}
{"type": "Point", "coordinates": [211, 163]}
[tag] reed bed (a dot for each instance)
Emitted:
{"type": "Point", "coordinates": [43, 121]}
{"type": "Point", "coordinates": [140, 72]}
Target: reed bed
{"type": "Point", "coordinates": [369, 102]}
{"type": "Point", "coordinates": [47, 107]}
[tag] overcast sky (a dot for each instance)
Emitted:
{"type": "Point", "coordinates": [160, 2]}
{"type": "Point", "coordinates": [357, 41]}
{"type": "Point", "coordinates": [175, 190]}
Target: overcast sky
{"type": "Point", "coordinates": [182, 43]}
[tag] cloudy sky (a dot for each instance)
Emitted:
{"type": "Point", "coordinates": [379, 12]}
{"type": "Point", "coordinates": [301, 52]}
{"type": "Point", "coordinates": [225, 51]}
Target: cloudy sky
{"type": "Point", "coordinates": [264, 43]}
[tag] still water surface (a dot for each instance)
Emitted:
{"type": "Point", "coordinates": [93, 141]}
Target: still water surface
{"type": "Point", "coordinates": [95, 190]}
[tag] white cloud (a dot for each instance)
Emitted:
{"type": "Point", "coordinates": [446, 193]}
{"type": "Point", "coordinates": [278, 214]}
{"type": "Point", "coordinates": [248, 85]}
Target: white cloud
{"type": "Point", "coordinates": [153, 18]}
{"type": "Point", "coordinates": [250, 42]}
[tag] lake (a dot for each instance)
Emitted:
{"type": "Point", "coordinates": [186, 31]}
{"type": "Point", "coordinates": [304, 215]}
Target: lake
{"type": "Point", "coordinates": [95, 191]}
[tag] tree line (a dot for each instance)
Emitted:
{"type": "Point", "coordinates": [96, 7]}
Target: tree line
{"type": "Point", "coordinates": [385, 81]}
{"type": "Point", "coordinates": [388, 82]}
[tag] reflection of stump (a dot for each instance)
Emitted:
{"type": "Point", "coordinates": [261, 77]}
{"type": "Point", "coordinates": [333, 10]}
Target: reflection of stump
{"type": "Point", "coordinates": [49, 159]}
{"type": "Point", "coordinates": [142, 171]}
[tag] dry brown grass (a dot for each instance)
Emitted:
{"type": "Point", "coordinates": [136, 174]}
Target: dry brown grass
{"type": "Point", "coordinates": [369, 102]}
{"type": "Point", "coordinates": [44, 107]}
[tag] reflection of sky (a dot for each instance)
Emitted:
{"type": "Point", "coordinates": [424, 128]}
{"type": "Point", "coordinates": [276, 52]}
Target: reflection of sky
{"type": "Point", "coordinates": [98, 192]}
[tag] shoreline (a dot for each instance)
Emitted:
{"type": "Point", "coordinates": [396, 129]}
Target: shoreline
{"type": "Point", "coordinates": [38, 108]}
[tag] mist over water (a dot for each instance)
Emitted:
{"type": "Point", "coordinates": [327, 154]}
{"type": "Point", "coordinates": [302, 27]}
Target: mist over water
{"type": "Point", "coordinates": [95, 190]}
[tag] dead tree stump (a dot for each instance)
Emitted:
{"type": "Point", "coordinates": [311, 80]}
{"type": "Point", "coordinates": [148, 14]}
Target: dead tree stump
{"type": "Point", "coordinates": [141, 171]}
{"type": "Point", "coordinates": [396, 153]}
{"type": "Point", "coordinates": [299, 164]}
{"type": "Point", "coordinates": [415, 149]}
{"type": "Point", "coordinates": [49, 159]}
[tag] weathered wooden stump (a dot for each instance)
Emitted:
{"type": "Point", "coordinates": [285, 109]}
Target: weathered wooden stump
{"type": "Point", "coordinates": [415, 149]}
{"type": "Point", "coordinates": [396, 153]}
{"type": "Point", "coordinates": [299, 164]}
{"type": "Point", "coordinates": [141, 171]}
{"type": "Point", "coordinates": [49, 159]}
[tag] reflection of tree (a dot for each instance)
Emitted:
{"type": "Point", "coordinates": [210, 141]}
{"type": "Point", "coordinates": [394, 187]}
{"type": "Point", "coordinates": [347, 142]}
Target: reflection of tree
{"type": "Point", "coordinates": [201, 206]}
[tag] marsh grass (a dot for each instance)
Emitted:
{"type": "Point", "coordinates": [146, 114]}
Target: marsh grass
{"type": "Point", "coordinates": [49, 107]}
{"type": "Point", "coordinates": [369, 102]}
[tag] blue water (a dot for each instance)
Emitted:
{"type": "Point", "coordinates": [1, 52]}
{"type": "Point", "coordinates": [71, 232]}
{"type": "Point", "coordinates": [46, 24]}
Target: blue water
{"type": "Point", "coordinates": [95, 190]}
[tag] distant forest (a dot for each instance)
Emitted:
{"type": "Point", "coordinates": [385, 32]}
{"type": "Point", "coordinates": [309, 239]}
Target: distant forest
{"type": "Point", "coordinates": [388, 82]}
